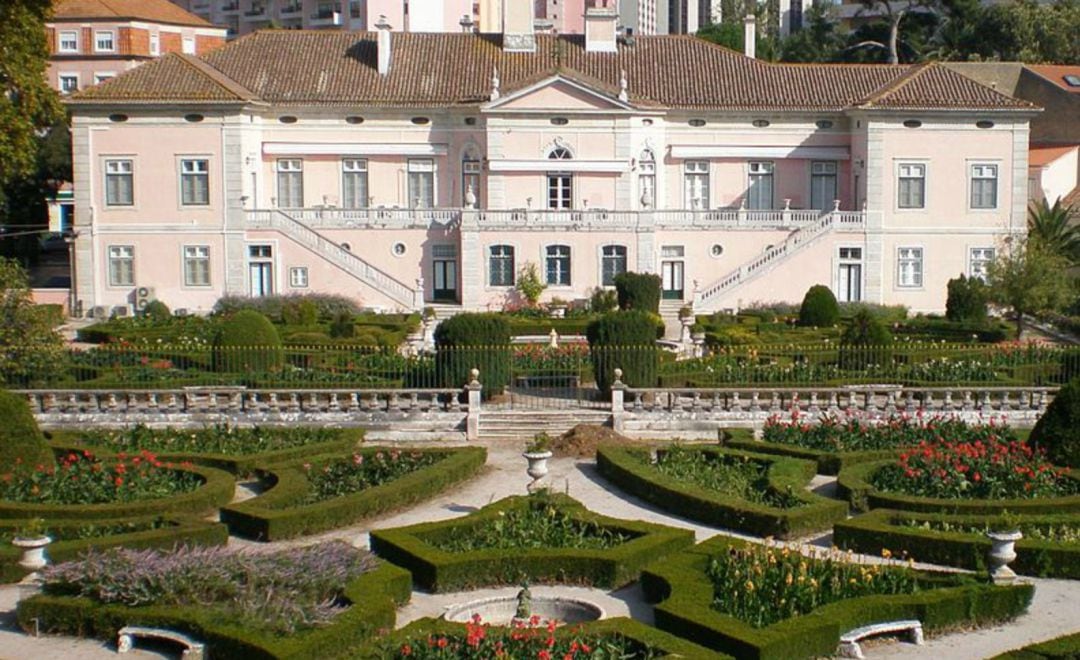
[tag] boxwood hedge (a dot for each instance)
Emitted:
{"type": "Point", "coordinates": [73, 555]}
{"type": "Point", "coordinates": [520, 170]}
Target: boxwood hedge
{"type": "Point", "coordinates": [883, 529]}
{"type": "Point", "coordinates": [827, 462]}
{"type": "Point", "coordinates": [172, 532]}
{"type": "Point", "coordinates": [684, 596]}
{"type": "Point", "coordinates": [629, 469]}
{"type": "Point", "coordinates": [666, 645]}
{"type": "Point", "coordinates": [281, 513]}
{"type": "Point", "coordinates": [440, 571]}
{"type": "Point", "coordinates": [1066, 647]}
{"type": "Point", "coordinates": [853, 484]}
{"type": "Point", "coordinates": [374, 597]}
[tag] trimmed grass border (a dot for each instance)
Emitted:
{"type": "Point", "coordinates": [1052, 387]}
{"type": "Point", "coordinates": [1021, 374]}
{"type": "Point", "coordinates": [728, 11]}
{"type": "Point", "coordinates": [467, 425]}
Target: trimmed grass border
{"type": "Point", "coordinates": [684, 597]}
{"type": "Point", "coordinates": [853, 485]}
{"type": "Point", "coordinates": [881, 529]}
{"type": "Point", "coordinates": [177, 531]}
{"type": "Point", "coordinates": [669, 645]}
{"type": "Point", "coordinates": [1066, 647]}
{"type": "Point", "coordinates": [280, 512]}
{"type": "Point", "coordinates": [440, 571]}
{"type": "Point", "coordinates": [629, 469]}
{"type": "Point", "coordinates": [374, 597]}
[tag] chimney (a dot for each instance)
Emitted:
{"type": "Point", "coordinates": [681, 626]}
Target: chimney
{"type": "Point", "coordinates": [518, 34]}
{"type": "Point", "coordinates": [601, 27]}
{"type": "Point", "coordinates": [383, 28]}
{"type": "Point", "coordinates": [750, 35]}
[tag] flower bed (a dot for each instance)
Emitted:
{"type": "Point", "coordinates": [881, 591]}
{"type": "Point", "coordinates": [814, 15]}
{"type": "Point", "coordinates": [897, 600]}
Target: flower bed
{"type": "Point", "coordinates": [692, 588]}
{"type": "Point", "coordinates": [366, 602]}
{"type": "Point", "coordinates": [231, 448]}
{"type": "Point", "coordinates": [691, 488]}
{"type": "Point", "coordinates": [1050, 547]}
{"type": "Point", "coordinates": [621, 638]}
{"type": "Point", "coordinates": [90, 486]}
{"type": "Point", "coordinates": [71, 538]}
{"type": "Point", "coordinates": [305, 499]}
{"type": "Point", "coordinates": [965, 478]}
{"type": "Point", "coordinates": [439, 562]}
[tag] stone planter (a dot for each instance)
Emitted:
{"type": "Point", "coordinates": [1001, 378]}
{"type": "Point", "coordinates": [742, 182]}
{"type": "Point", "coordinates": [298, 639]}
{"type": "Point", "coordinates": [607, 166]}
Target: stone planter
{"type": "Point", "coordinates": [557, 311]}
{"type": "Point", "coordinates": [33, 557]}
{"type": "Point", "coordinates": [538, 467]}
{"type": "Point", "coordinates": [1002, 552]}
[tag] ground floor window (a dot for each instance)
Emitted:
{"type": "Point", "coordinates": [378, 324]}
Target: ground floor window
{"type": "Point", "coordinates": [197, 265]}
{"type": "Point", "coordinates": [121, 265]}
{"type": "Point", "coordinates": [910, 267]}
{"type": "Point", "coordinates": [501, 265]}
{"type": "Point", "coordinates": [558, 265]}
{"type": "Point", "coordinates": [979, 262]}
{"type": "Point", "coordinates": [613, 263]}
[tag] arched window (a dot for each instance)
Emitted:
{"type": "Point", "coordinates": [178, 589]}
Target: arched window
{"type": "Point", "coordinates": [647, 179]}
{"type": "Point", "coordinates": [560, 185]}
{"type": "Point", "coordinates": [501, 265]}
{"type": "Point", "coordinates": [612, 263]}
{"type": "Point", "coordinates": [557, 265]}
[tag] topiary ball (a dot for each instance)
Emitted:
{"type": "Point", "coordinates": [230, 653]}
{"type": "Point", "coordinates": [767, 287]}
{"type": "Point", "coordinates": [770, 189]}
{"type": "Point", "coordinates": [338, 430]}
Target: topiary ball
{"type": "Point", "coordinates": [819, 308]}
{"type": "Point", "coordinates": [247, 341]}
{"type": "Point", "coordinates": [1058, 430]}
{"type": "Point", "coordinates": [157, 311]}
{"type": "Point", "coordinates": [21, 441]}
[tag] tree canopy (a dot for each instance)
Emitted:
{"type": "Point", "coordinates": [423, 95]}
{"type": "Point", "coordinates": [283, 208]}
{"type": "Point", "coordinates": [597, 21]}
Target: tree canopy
{"type": "Point", "coordinates": [1028, 277]}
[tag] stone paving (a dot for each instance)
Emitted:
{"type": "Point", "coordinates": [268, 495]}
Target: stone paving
{"type": "Point", "coordinates": [1054, 611]}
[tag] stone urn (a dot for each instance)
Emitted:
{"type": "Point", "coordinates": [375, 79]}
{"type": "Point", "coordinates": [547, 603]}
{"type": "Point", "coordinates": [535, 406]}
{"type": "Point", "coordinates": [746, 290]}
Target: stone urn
{"type": "Point", "coordinates": [538, 467]}
{"type": "Point", "coordinates": [33, 549]}
{"type": "Point", "coordinates": [1002, 552]}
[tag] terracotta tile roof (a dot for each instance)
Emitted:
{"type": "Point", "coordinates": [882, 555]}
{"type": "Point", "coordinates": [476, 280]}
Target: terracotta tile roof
{"type": "Point", "coordinates": [441, 69]}
{"type": "Point", "coordinates": [153, 11]}
{"type": "Point", "coordinates": [173, 78]}
{"type": "Point", "coordinates": [1056, 73]}
{"type": "Point", "coordinates": [1044, 155]}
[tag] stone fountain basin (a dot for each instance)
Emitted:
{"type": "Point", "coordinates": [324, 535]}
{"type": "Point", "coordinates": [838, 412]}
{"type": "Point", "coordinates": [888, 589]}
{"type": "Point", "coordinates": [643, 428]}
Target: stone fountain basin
{"type": "Point", "coordinates": [501, 610]}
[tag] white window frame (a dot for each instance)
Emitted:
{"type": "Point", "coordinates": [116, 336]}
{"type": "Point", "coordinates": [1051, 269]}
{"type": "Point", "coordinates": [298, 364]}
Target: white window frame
{"type": "Point", "coordinates": [905, 170]}
{"type": "Point", "coordinates": [696, 178]}
{"type": "Point", "coordinates": [187, 45]}
{"type": "Point", "coordinates": [116, 255]}
{"type": "Point", "coordinates": [358, 168]}
{"type": "Point", "coordinates": [604, 257]}
{"type": "Point", "coordinates": [192, 168]}
{"type": "Point", "coordinates": [61, 77]}
{"type": "Point", "coordinates": [976, 172]}
{"type": "Point", "coordinates": [289, 166]}
{"type": "Point", "coordinates": [60, 41]}
{"type": "Point", "coordinates": [915, 276]}
{"type": "Point", "coordinates": [155, 43]}
{"type": "Point", "coordinates": [98, 34]}
{"type": "Point", "coordinates": [196, 254]}
{"type": "Point", "coordinates": [513, 265]}
{"type": "Point", "coordinates": [819, 170]}
{"type": "Point", "coordinates": [299, 277]}
{"type": "Point", "coordinates": [766, 170]}
{"type": "Point", "coordinates": [119, 167]}
{"type": "Point", "coordinates": [561, 274]}
{"type": "Point", "coordinates": [982, 256]}
{"type": "Point", "coordinates": [102, 76]}
{"type": "Point", "coordinates": [421, 166]}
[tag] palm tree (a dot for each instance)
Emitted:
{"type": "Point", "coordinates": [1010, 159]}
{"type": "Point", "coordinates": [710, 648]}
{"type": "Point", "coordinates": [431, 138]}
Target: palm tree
{"type": "Point", "coordinates": [1050, 227]}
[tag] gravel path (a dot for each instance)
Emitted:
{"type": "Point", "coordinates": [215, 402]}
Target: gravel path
{"type": "Point", "coordinates": [1054, 611]}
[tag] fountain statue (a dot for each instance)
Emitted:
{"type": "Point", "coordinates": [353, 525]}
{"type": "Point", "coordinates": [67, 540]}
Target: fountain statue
{"type": "Point", "coordinates": [524, 602]}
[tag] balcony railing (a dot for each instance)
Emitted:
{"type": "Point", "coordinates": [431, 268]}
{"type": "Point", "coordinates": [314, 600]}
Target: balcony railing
{"type": "Point", "coordinates": [326, 16]}
{"type": "Point", "coordinates": [292, 9]}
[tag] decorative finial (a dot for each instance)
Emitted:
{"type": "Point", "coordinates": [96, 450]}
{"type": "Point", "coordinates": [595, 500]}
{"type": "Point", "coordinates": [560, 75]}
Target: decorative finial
{"type": "Point", "coordinates": [495, 94]}
{"type": "Point", "coordinates": [624, 85]}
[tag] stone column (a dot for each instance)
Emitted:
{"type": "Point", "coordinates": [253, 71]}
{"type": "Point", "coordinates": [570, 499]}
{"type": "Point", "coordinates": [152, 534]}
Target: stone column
{"type": "Point", "coordinates": [618, 402]}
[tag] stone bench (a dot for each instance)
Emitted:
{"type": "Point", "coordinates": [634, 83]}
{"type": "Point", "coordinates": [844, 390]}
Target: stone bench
{"type": "Point", "coordinates": [849, 641]}
{"type": "Point", "coordinates": [126, 639]}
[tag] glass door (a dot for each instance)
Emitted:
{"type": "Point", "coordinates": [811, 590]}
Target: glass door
{"type": "Point", "coordinates": [849, 275]}
{"type": "Point", "coordinates": [260, 270]}
{"type": "Point", "coordinates": [444, 273]}
{"type": "Point", "coordinates": [671, 272]}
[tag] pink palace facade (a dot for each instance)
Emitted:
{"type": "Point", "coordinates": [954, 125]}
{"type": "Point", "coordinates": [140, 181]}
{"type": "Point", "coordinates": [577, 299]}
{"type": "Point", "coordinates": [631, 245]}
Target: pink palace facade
{"type": "Point", "coordinates": [406, 170]}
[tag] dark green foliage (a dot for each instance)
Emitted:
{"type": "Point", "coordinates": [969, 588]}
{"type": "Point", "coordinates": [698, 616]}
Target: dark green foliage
{"type": "Point", "coordinates": [467, 341]}
{"type": "Point", "coordinates": [631, 471]}
{"type": "Point", "coordinates": [374, 597]}
{"type": "Point", "coordinates": [343, 326]}
{"type": "Point", "coordinates": [247, 341]}
{"type": "Point", "coordinates": [897, 532]}
{"type": "Point", "coordinates": [624, 340]}
{"type": "Point", "coordinates": [865, 342]}
{"type": "Point", "coordinates": [819, 308]}
{"type": "Point", "coordinates": [301, 311]}
{"type": "Point", "coordinates": [435, 570]}
{"type": "Point", "coordinates": [828, 462]}
{"type": "Point", "coordinates": [603, 301]}
{"type": "Point", "coordinates": [1066, 647]}
{"type": "Point", "coordinates": [157, 311]}
{"type": "Point", "coordinates": [967, 300]}
{"type": "Point", "coordinates": [282, 513]}
{"type": "Point", "coordinates": [1058, 430]}
{"type": "Point", "coordinates": [639, 291]}
{"type": "Point", "coordinates": [273, 307]}
{"type": "Point", "coordinates": [21, 441]}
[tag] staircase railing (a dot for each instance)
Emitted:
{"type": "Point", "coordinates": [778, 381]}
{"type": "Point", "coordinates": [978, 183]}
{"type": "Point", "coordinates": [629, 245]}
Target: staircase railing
{"type": "Point", "coordinates": [337, 255]}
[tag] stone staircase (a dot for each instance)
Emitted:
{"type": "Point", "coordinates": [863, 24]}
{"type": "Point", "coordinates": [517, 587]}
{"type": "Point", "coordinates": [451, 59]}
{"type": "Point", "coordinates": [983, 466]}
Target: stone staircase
{"type": "Point", "coordinates": [669, 312]}
{"type": "Point", "coordinates": [524, 424]}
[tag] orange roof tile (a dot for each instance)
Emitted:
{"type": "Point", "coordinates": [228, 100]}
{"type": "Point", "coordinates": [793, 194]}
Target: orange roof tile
{"type": "Point", "coordinates": [153, 11]}
{"type": "Point", "coordinates": [1056, 73]}
{"type": "Point", "coordinates": [1039, 156]}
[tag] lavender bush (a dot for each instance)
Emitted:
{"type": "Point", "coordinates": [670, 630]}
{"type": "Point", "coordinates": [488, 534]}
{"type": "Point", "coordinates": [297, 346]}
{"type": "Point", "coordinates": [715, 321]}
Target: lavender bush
{"type": "Point", "coordinates": [281, 592]}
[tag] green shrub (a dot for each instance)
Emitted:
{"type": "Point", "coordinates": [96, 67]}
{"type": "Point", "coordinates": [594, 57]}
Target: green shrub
{"type": "Point", "coordinates": [967, 300]}
{"type": "Point", "coordinates": [1058, 430]}
{"type": "Point", "coordinates": [865, 341]}
{"type": "Point", "coordinates": [21, 441]}
{"type": "Point", "coordinates": [273, 307]}
{"type": "Point", "coordinates": [157, 311]}
{"type": "Point", "coordinates": [819, 308]}
{"type": "Point", "coordinates": [1066, 647]}
{"type": "Point", "coordinates": [247, 341]}
{"type": "Point", "coordinates": [343, 326]}
{"type": "Point", "coordinates": [640, 291]}
{"type": "Point", "coordinates": [529, 284]}
{"type": "Point", "coordinates": [300, 311]}
{"type": "Point", "coordinates": [602, 300]}
{"type": "Point", "coordinates": [469, 340]}
{"type": "Point", "coordinates": [624, 340]}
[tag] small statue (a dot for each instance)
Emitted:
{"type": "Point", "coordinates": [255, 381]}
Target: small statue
{"type": "Point", "coordinates": [524, 602]}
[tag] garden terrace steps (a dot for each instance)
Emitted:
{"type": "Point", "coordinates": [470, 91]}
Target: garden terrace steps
{"type": "Point", "coordinates": [519, 424]}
